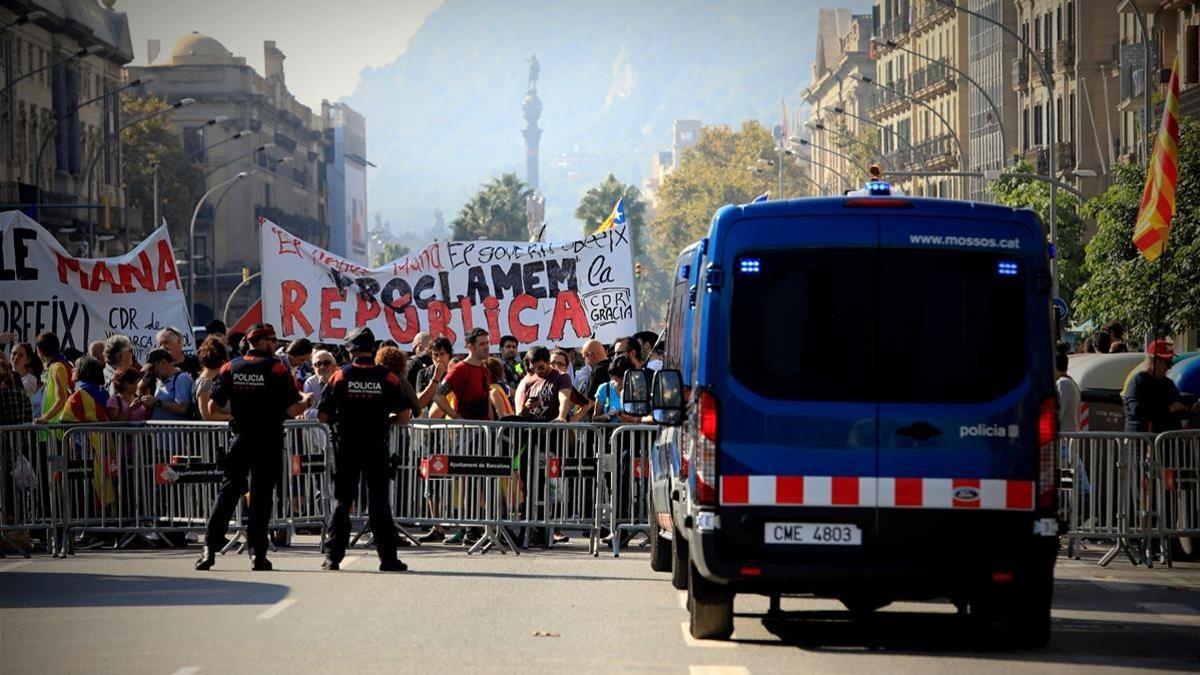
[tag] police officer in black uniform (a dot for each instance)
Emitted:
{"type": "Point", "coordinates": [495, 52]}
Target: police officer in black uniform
{"type": "Point", "coordinates": [362, 398]}
{"type": "Point", "coordinates": [261, 394]}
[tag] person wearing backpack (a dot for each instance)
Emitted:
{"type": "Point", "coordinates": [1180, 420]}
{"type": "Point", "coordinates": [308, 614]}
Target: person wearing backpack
{"type": "Point", "coordinates": [174, 398]}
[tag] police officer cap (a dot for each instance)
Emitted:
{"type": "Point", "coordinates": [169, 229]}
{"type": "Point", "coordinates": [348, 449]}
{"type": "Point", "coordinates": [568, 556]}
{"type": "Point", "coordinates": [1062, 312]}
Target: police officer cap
{"type": "Point", "coordinates": [361, 338]}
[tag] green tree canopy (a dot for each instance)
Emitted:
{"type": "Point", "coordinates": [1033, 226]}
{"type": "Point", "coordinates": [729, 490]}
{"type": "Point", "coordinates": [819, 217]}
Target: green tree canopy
{"type": "Point", "coordinates": [496, 212]}
{"type": "Point", "coordinates": [597, 203]}
{"type": "Point", "coordinates": [180, 182]}
{"type": "Point", "coordinates": [1122, 284]}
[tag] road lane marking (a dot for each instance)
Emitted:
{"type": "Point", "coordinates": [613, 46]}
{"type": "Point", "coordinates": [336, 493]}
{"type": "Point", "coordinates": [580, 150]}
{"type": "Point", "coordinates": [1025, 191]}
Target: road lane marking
{"type": "Point", "coordinates": [718, 670]}
{"type": "Point", "coordinates": [346, 562]}
{"type": "Point", "coordinates": [708, 644]}
{"type": "Point", "coordinates": [187, 670]}
{"type": "Point", "coordinates": [682, 599]}
{"type": "Point", "coordinates": [1117, 585]}
{"type": "Point", "coordinates": [1170, 609]}
{"type": "Point", "coordinates": [277, 608]}
{"type": "Point", "coordinates": [1189, 619]}
{"type": "Point", "coordinates": [9, 568]}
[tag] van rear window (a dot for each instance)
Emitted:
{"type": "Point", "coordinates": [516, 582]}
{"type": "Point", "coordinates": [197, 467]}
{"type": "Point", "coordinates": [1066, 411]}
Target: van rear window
{"type": "Point", "coordinates": [891, 325]}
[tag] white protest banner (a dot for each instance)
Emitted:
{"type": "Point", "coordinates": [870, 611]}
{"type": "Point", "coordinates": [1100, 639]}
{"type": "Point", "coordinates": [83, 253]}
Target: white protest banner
{"type": "Point", "coordinates": [541, 293]}
{"type": "Point", "coordinates": [45, 288]}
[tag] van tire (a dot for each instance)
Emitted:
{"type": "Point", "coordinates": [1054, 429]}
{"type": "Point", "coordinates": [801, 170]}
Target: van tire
{"type": "Point", "coordinates": [710, 608]}
{"type": "Point", "coordinates": [679, 562]}
{"type": "Point", "coordinates": [660, 548]}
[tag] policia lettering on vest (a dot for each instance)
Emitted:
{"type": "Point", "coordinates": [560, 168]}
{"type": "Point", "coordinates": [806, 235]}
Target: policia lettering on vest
{"type": "Point", "coordinates": [261, 394]}
{"type": "Point", "coordinates": [363, 399]}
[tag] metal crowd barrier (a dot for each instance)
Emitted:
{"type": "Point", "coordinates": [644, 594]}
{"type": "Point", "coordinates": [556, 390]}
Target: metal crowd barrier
{"type": "Point", "coordinates": [1176, 464]}
{"type": "Point", "coordinates": [628, 474]}
{"type": "Point", "coordinates": [31, 459]}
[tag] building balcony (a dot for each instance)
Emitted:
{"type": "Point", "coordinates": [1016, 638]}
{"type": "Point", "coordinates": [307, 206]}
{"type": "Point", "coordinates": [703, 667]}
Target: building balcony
{"type": "Point", "coordinates": [929, 13]}
{"type": "Point", "coordinates": [939, 152]}
{"type": "Point", "coordinates": [1064, 55]}
{"type": "Point", "coordinates": [1020, 73]}
{"type": "Point", "coordinates": [894, 29]}
{"type": "Point", "coordinates": [1064, 157]}
{"type": "Point", "coordinates": [1039, 159]}
{"type": "Point", "coordinates": [889, 100]}
{"type": "Point", "coordinates": [933, 79]}
{"type": "Point", "coordinates": [1047, 57]}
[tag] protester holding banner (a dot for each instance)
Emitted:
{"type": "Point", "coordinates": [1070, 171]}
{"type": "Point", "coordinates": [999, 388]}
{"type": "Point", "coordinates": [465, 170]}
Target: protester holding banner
{"type": "Point", "coordinates": [58, 379]}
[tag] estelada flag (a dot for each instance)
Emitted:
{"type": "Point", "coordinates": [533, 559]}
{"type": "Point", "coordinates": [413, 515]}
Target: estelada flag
{"type": "Point", "coordinates": [617, 217]}
{"type": "Point", "coordinates": [1162, 176]}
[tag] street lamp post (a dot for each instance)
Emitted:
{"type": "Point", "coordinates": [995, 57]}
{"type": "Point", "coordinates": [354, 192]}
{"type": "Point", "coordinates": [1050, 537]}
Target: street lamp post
{"type": "Point", "coordinates": [841, 176]}
{"type": "Point", "coordinates": [871, 149]}
{"type": "Point", "coordinates": [891, 44]}
{"type": "Point", "coordinates": [867, 120]}
{"type": "Point", "coordinates": [992, 175]}
{"type": "Point", "coordinates": [262, 148]}
{"type": "Point", "coordinates": [192, 240]}
{"type": "Point", "coordinates": [232, 137]}
{"type": "Point", "coordinates": [962, 157]}
{"type": "Point", "coordinates": [835, 153]}
{"type": "Point", "coordinates": [1051, 164]}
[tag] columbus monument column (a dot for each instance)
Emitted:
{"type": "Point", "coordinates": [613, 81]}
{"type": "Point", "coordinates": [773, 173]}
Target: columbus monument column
{"type": "Point", "coordinates": [532, 109]}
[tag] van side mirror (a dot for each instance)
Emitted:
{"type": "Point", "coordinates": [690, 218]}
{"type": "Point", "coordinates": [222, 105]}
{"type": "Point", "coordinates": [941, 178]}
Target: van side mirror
{"type": "Point", "coordinates": [635, 393]}
{"type": "Point", "coordinates": [666, 398]}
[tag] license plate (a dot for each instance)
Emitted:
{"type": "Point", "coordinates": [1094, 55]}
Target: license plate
{"type": "Point", "coordinates": [819, 534]}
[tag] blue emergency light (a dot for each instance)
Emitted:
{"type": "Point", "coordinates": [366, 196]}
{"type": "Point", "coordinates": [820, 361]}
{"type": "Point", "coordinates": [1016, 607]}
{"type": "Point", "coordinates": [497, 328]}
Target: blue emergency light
{"type": "Point", "coordinates": [879, 188]}
{"type": "Point", "coordinates": [1007, 268]}
{"type": "Point", "coordinates": [749, 266]}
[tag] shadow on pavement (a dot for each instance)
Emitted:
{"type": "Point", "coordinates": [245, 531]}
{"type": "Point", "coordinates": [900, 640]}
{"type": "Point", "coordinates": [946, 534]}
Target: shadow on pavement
{"type": "Point", "coordinates": [1131, 644]}
{"type": "Point", "coordinates": [38, 589]}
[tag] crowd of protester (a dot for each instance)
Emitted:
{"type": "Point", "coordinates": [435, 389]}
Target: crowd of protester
{"type": "Point", "coordinates": [44, 383]}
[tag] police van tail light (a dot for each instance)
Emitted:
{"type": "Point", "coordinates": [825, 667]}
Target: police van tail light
{"type": "Point", "coordinates": [706, 451]}
{"type": "Point", "coordinates": [1047, 452]}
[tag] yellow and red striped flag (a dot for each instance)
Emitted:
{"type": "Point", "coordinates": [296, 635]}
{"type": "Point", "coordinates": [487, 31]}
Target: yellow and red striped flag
{"type": "Point", "coordinates": [1158, 199]}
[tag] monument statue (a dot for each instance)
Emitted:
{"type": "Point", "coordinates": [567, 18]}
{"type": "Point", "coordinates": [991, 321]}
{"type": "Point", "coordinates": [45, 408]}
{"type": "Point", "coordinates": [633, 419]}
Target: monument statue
{"type": "Point", "coordinates": [534, 71]}
{"type": "Point", "coordinates": [535, 214]}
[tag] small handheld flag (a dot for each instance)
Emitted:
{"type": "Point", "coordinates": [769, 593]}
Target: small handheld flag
{"type": "Point", "coordinates": [1158, 199]}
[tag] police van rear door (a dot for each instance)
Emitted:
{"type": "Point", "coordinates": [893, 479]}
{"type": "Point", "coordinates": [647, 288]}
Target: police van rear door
{"type": "Point", "coordinates": [958, 448]}
{"type": "Point", "coordinates": [797, 446]}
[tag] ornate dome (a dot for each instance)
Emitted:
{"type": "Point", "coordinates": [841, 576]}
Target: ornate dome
{"type": "Point", "coordinates": [201, 49]}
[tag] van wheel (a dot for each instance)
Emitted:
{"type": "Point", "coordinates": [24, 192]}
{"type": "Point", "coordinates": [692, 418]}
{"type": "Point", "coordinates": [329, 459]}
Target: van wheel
{"type": "Point", "coordinates": [1023, 614]}
{"type": "Point", "coordinates": [660, 551]}
{"type": "Point", "coordinates": [710, 608]}
{"type": "Point", "coordinates": [679, 562]}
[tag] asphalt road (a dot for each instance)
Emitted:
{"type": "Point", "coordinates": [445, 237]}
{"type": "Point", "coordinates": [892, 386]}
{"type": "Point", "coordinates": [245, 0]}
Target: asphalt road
{"type": "Point", "coordinates": [147, 611]}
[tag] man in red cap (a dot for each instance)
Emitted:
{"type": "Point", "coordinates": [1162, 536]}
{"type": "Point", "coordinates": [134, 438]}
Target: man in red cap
{"type": "Point", "coordinates": [261, 394]}
{"type": "Point", "coordinates": [1152, 402]}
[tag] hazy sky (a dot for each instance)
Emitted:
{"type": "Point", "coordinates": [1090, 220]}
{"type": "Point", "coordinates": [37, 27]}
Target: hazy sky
{"type": "Point", "coordinates": [326, 44]}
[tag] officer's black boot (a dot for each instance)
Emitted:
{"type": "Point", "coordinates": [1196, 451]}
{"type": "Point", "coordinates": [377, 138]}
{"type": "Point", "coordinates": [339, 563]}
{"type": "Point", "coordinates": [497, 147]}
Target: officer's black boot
{"type": "Point", "coordinates": [330, 564]}
{"type": "Point", "coordinates": [392, 566]}
{"type": "Point", "coordinates": [207, 559]}
{"type": "Point", "coordinates": [261, 564]}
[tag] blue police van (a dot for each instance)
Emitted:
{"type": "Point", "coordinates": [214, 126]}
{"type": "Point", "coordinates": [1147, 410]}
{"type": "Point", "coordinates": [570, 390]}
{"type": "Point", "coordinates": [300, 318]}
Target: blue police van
{"type": "Point", "coordinates": [858, 403]}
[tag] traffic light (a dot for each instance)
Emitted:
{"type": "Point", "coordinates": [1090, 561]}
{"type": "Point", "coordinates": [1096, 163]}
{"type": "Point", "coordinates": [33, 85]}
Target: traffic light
{"type": "Point", "coordinates": [637, 270]}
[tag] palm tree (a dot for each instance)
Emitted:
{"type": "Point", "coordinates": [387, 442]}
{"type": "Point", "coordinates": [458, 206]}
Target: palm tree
{"type": "Point", "coordinates": [496, 212]}
{"type": "Point", "coordinates": [597, 203]}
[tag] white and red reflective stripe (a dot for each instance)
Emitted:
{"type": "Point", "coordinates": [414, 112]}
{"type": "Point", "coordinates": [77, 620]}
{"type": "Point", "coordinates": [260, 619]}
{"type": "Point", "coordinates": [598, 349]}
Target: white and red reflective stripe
{"type": "Point", "coordinates": [1085, 417]}
{"type": "Point", "coordinates": [868, 491]}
